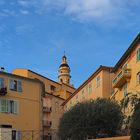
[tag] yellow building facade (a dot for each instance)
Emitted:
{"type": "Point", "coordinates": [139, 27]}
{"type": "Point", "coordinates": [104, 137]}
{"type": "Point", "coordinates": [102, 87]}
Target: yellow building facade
{"type": "Point", "coordinates": [20, 107]}
{"type": "Point", "coordinates": [127, 72]}
{"type": "Point", "coordinates": [59, 89]}
{"type": "Point", "coordinates": [97, 85]}
{"type": "Point", "coordinates": [55, 94]}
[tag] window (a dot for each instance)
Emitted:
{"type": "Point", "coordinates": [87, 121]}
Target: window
{"type": "Point", "coordinates": [16, 135]}
{"type": "Point", "coordinates": [70, 103]}
{"type": "Point", "coordinates": [125, 89]}
{"type": "Point", "coordinates": [76, 99]}
{"type": "Point", "coordinates": [98, 81]}
{"type": "Point", "coordinates": [66, 108]}
{"type": "Point", "coordinates": [15, 85]}
{"type": "Point", "coordinates": [83, 94]}
{"type": "Point", "coordinates": [138, 54]}
{"type": "Point", "coordinates": [9, 106]}
{"type": "Point", "coordinates": [138, 78]}
{"type": "Point", "coordinates": [1, 83]}
{"type": "Point", "coordinates": [89, 88]}
{"type": "Point", "coordinates": [125, 67]}
{"type": "Point", "coordinates": [53, 88]}
{"type": "Point", "coordinates": [61, 80]}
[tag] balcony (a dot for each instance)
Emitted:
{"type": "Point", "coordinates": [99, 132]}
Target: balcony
{"type": "Point", "coordinates": [47, 109]}
{"type": "Point", "coordinates": [122, 77]}
{"type": "Point", "coordinates": [47, 123]}
{"type": "Point", "coordinates": [3, 91]}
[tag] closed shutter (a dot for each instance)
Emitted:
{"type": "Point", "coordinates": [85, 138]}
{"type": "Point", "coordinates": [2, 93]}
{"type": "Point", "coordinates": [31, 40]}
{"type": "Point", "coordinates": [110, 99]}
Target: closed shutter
{"type": "Point", "coordinates": [3, 105]}
{"type": "Point", "coordinates": [19, 86]}
{"type": "Point", "coordinates": [18, 135]}
{"type": "Point", "coordinates": [0, 105]}
{"type": "Point", "coordinates": [16, 107]}
{"type": "Point", "coordinates": [138, 54]}
{"type": "Point", "coordinates": [1, 83]}
{"type": "Point", "coordinates": [11, 84]}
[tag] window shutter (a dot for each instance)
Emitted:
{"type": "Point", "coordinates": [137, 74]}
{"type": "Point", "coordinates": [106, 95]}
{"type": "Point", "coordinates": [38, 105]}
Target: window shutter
{"type": "Point", "coordinates": [18, 135]}
{"type": "Point", "coordinates": [138, 54]}
{"type": "Point", "coordinates": [8, 104]}
{"type": "Point", "coordinates": [16, 107]}
{"type": "Point", "coordinates": [1, 82]}
{"type": "Point", "coordinates": [11, 84]}
{"type": "Point", "coordinates": [0, 105]}
{"type": "Point", "coordinates": [19, 86]}
{"type": "Point", "coordinates": [3, 105]}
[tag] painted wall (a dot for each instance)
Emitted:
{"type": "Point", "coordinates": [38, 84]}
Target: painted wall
{"type": "Point", "coordinates": [102, 90]}
{"type": "Point", "coordinates": [29, 115]}
{"type": "Point", "coordinates": [60, 89]}
{"type": "Point", "coordinates": [132, 85]}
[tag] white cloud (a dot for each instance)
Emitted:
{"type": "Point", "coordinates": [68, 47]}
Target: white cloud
{"type": "Point", "coordinates": [85, 10]}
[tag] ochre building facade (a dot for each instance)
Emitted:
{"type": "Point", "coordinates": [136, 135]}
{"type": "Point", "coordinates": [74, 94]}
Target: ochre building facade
{"type": "Point", "coordinates": [20, 107]}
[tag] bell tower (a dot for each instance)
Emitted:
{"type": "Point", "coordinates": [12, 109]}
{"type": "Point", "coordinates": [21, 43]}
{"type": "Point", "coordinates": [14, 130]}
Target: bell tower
{"type": "Point", "coordinates": [64, 71]}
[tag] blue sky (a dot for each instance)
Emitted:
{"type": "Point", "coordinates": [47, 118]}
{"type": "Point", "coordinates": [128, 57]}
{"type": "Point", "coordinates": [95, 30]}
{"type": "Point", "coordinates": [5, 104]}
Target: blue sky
{"type": "Point", "coordinates": [35, 33]}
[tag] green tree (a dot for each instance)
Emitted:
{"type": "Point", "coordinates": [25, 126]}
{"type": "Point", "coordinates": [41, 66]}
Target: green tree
{"type": "Point", "coordinates": [129, 106]}
{"type": "Point", "coordinates": [99, 118]}
{"type": "Point", "coordinates": [134, 126]}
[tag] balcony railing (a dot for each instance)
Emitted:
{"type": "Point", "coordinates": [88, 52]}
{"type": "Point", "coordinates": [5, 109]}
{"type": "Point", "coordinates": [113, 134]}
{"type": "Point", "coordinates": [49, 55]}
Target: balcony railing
{"type": "Point", "coordinates": [47, 123]}
{"type": "Point", "coordinates": [47, 109]}
{"type": "Point", "coordinates": [3, 91]}
{"type": "Point", "coordinates": [122, 77]}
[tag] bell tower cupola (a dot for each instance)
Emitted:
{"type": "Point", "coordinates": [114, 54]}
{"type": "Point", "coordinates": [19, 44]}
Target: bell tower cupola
{"type": "Point", "coordinates": [64, 71]}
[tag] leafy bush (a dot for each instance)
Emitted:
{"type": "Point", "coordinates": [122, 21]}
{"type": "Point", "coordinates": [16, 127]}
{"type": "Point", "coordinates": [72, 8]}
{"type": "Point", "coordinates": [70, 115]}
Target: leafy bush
{"type": "Point", "coordinates": [99, 118]}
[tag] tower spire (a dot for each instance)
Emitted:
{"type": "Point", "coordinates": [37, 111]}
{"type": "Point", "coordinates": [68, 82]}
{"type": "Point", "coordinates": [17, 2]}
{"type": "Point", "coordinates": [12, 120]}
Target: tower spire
{"type": "Point", "coordinates": [64, 71]}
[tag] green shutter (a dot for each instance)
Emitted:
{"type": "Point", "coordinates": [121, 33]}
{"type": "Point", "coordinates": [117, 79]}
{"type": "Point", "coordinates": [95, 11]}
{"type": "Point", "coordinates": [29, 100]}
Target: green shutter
{"type": "Point", "coordinates": [16, 107]}
{"type": "Point", "coordinates": [138, 54]}
{"type": "Point", "coordinates": [3, 105]}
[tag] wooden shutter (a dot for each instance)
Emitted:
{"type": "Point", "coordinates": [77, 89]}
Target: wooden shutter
{"type": "Point", "coordinates": [19, 86]}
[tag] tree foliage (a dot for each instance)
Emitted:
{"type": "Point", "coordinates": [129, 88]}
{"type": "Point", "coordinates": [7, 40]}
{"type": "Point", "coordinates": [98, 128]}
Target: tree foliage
{"type": "Point", "coordinates": [129, 106]}
{"type": "Point", "coordinates": [135, 123]}
{"type": "Point", "coordinates": [92, 119]}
